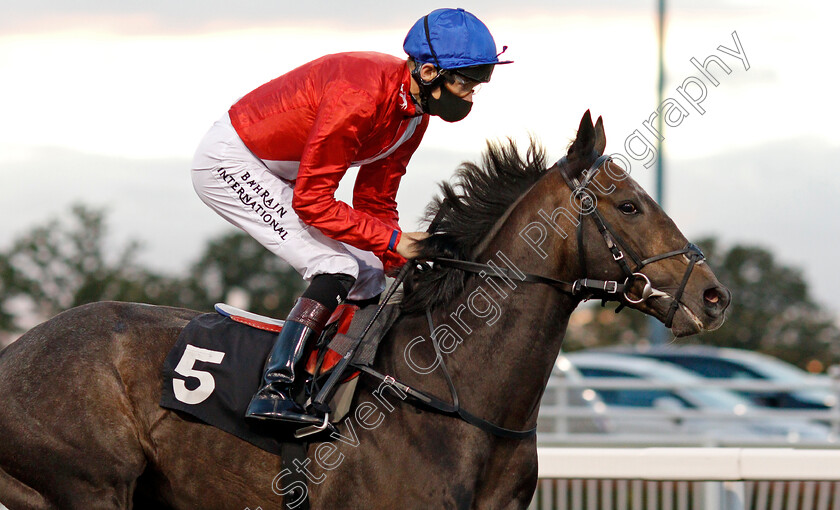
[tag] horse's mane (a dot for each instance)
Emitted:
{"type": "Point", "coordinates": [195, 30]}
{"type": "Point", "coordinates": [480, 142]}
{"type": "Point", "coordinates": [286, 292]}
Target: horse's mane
{"type": "Point", "coordinates": [469, 209]}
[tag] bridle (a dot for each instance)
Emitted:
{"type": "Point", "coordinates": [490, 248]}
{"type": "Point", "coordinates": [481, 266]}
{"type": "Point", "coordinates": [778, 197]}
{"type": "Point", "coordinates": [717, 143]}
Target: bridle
{"type": "Point", "coordinates": [619, 248]}
{"type": "Point", "coordinates": [588, 288]}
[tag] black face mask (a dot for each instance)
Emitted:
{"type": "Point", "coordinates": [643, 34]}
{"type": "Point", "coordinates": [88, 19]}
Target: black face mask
{"type": "Point", "coordinates": [449, 107]}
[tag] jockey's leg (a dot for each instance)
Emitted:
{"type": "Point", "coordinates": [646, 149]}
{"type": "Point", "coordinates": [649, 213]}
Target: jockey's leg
{"type": "Point", "coordinates": [370, 281]}
{"type": "Point", "coordinates": [306, 320]}
{"type": "Point", "coordinates": [361, 303]}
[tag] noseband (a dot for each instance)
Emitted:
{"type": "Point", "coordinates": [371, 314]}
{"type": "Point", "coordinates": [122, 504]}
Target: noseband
{"type": "Point", "coordinates": [588, 288]}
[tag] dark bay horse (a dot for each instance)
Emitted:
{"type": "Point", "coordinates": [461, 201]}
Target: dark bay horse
{"type": "Point", "coordinates": [80, 425]}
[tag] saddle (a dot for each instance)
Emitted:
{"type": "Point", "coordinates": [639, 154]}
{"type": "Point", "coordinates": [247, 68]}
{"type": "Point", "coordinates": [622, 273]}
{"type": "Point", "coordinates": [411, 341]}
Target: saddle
{"type": "Point", "coordinates": [320, 360]}
{"type": "Point", "coordinates": [216, 364]}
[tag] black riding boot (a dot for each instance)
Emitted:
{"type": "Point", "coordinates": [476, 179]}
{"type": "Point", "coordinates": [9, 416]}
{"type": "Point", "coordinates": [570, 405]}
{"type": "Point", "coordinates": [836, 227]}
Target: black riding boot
{"type": "Point", "coordinates": [273, 401]}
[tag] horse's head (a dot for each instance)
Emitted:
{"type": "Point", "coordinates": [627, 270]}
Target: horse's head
{"type": "Point", "coordinates": [623, 233]}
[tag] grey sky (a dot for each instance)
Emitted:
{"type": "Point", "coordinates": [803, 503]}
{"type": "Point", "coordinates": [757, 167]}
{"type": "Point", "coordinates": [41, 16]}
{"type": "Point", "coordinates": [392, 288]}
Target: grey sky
{"type": "Point", "coordinates": [198, 15]}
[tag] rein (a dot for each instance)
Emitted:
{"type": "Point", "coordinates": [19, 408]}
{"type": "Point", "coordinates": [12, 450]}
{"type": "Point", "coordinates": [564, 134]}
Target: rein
{"type": "Point", "coordinates": [453, 409]}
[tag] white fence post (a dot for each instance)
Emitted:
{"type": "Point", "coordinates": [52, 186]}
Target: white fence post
{"type": "Point", "coordinates": [733, 495]}
{"type": "Point", "coordinates": [712, 496]}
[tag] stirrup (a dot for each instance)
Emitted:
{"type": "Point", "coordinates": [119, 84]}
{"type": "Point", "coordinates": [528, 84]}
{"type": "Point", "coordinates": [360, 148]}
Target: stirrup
{"type": "Point", "coordinates": [314, 429]}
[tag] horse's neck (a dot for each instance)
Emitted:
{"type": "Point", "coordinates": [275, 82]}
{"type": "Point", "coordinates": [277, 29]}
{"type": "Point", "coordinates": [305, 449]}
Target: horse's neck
{"type": "Point", "coordinates": [502, 366]}
{"type": "Point", "coordinates": [501, 342]}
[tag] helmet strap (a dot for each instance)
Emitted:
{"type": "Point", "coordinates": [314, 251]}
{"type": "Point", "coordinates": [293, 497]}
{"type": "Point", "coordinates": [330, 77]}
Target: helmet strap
{"type": "Point", "coordinates": [426, 87]}
{"type": "Point", "coordinates": [429, 41]}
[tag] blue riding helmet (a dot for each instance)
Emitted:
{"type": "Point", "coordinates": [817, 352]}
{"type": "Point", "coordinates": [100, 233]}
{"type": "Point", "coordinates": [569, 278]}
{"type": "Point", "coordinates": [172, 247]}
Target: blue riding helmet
{"type": "Point", "coordinates": [454, 39]}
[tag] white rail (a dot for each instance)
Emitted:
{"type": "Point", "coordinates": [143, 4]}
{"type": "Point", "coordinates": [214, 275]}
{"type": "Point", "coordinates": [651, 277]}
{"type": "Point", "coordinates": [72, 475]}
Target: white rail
{"type": "Point", "coordinates": [566, 420]}
{"type": "Point", "coordinates": [687, 479]}
{"type": "Point", "coordinates": [689, 463]}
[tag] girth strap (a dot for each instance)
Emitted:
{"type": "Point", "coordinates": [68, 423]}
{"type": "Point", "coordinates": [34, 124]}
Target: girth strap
{"type": "Point", "coordinates": [293, 454]}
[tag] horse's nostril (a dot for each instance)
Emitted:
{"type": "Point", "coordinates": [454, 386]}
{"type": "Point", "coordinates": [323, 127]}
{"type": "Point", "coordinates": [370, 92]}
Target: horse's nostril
{"type": "Point", "coordinates": [712, 296]}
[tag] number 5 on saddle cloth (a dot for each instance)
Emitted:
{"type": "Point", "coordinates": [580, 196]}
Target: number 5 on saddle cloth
{"type": "Point", "coordinates": [214, 368]}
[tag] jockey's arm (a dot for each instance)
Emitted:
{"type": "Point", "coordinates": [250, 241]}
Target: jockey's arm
{"type": "Point", "coordinates": [375, 192]}
{"type": "Point", "coordinates": [333, 143]}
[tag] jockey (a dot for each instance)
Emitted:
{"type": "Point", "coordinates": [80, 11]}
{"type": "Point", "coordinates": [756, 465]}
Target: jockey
{"type": "Point", "coordinates": [272, 164]}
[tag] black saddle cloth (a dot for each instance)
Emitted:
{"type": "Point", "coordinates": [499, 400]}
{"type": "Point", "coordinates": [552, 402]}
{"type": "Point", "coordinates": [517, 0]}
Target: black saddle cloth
{"type": "Point", "coordinates": [213, 371]}
{"type": "Point", "coordinates": [216, 366]}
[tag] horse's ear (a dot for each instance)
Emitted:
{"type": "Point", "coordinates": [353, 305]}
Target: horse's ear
{"type": "Point", "coordinates": [584, 142]}
{"type": "Point", "coordinates": [600, 136]}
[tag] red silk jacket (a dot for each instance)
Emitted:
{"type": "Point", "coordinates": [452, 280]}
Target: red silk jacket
{"type": "Point", "coordinates": [313, 123]}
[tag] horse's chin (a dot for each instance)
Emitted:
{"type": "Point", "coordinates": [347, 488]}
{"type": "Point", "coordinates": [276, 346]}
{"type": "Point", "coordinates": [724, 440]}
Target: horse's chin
{"type": "Point", "coordinates": [682, 327]}
{"type": "Point", "coordinates": [687, 322]}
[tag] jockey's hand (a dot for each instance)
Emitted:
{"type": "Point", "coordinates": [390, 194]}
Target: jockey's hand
{"type": "Point", "coordinates": [407, 247]}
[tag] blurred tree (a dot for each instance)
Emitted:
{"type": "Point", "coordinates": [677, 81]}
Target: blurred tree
{"type": "Point", "coordinates": [65, 263]}
{"type": "Point", "coordinates": [236, 268]}
{"type": "Point", "coordinates": [6, 318]}
{"type": "Point", "coordinates": [771, 312]}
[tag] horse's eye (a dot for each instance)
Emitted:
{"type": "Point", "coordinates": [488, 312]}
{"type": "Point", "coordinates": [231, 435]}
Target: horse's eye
{"type": "Point", "coordinates": [628, 208]}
